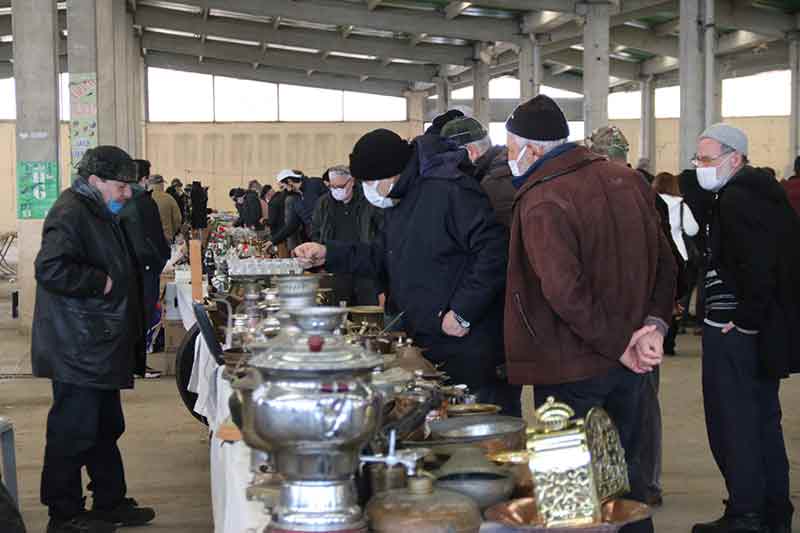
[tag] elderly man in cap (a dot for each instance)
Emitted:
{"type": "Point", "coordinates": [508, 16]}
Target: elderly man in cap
{"type": "Point", "coordinates": [590, 276]}
{"type": "Point", "coordinates": [751, 334]}
{"type": "Point", "coordinates": [87, 332]}
{"type": "Point", "coordinates": [300, 211]}
{"type": "Point", "coordinates": [442, 255]}
{"type": "Point", "coordinates": [491, 163]}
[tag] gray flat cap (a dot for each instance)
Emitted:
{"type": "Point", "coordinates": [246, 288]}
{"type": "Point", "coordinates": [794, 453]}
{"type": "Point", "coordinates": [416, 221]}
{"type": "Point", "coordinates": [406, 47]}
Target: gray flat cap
{"type": "Point", "coordinates": [727, 135]}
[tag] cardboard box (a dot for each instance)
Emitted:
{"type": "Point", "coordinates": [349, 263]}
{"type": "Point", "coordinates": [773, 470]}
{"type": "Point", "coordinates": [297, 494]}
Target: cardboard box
{"type": "Point", "coordinates": [164, 362]}
{"type": "Point", "coordinates": [173, 335]}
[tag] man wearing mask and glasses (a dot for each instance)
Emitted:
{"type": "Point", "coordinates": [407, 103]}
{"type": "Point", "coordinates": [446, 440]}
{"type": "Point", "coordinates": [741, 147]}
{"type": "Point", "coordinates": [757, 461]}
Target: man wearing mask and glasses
{"type": "Point", "coordinates": [344, 214]}
{"type": "Point", "coordinates": [751, 332]}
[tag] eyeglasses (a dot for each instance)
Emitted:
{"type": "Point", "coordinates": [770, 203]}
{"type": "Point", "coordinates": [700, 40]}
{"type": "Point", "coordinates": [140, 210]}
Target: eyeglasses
{"type": "Point", "coordinates": [339, 187]}
{"type": "Point", "coordinates": [705, 160]}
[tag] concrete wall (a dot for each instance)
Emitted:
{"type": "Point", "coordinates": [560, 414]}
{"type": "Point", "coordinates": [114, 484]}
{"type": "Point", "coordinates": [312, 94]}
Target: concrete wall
{"type": "Point", "coordinates": [227, 155]}
{"type": "Point", "coordinates": [768, 136]}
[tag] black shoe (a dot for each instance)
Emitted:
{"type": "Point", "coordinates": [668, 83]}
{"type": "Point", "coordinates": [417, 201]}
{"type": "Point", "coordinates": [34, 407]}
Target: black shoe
{"type": "Point", "coordinates": [80, 524]}
{"type": "Point", "coordinates": [747, 523]}
{"type": "Point", "coordinates": [784, 526]}
{"type": "Point", "coordinates": [126, 514]}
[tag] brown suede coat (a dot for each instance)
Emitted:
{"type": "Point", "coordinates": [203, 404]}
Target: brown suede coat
{"type": "Point", "coordinates": [588, 265]}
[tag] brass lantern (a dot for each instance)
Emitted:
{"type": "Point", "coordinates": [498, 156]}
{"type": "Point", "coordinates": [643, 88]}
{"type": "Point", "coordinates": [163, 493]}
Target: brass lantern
{"type": "Point", "coordinates": [576, 464]}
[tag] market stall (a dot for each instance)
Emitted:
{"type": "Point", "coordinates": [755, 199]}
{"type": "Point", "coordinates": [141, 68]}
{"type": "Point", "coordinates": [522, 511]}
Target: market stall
{"type": "Point", "coordinates": [320, 420]}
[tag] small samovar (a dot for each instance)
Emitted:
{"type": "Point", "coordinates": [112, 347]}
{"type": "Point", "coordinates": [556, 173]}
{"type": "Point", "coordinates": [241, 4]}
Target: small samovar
{"type": "Point", "coordinates": [306, 399]}
{"type": "Point", "coordinates": [576, 465]}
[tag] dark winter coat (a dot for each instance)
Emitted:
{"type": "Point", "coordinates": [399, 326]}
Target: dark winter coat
{"type": "Point", "coordinates": [249, 211]}
{"type": "Point", "coordinates": [441, 249]}
{"type": "Point", "coordinates": [276, 216]}
{"type": "Point", "coordinates": [81, 336]}
{"type": "Point", "coordinates": [752, 233]}
{"type": "Point", "coordinates": [368, 217]}
{"type": "Point", "coordinates": [792, 188]}
{"type": "Point", "coordinates": [141, 222]}
{"type": "Point", "coordinates": [299, 214]}
{"type": "Point", "coordinates": [588, 265]}
{"type": "Point", "coordinates": [494, 175]}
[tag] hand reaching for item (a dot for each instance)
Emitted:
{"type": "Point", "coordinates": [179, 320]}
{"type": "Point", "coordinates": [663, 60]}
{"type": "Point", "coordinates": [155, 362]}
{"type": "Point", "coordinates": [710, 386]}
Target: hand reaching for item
{"type": "Point", "coordinates": [310, 254]}
{"type": "Point", "coordinates": [109, 285]}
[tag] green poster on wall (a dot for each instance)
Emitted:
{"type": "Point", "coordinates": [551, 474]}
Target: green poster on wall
{"type": "Point", "coordinates": [37, 188]}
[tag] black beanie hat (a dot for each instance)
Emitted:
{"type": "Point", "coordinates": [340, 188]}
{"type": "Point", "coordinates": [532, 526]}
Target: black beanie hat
{"type": "Point", "coordinates": [378, 155]}
{"type": "Point", "coordinates": [438, 123]}
{"type": "Point", "coordinates": [538, 119]}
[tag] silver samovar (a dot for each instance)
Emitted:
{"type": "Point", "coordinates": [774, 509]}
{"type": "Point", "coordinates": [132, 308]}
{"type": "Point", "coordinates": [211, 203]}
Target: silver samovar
{"type": "Point", "coordinates": [307, 400]}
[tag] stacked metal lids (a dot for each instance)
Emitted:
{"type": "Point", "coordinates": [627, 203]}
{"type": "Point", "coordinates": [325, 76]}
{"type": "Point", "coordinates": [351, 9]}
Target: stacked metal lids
{"type": "Point", "coordinates": [315, 347]}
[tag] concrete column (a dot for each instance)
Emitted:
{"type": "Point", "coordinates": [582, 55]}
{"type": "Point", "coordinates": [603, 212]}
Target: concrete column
{"type": "Point", "coordinates": [647, 129]}
{"type": "Point", "coordinates": [35, 27]}
{"type": "Point", "coordinates": [531, 70]}
{"type": "Point", "coordinates": [480, 87]}
{"type": "Point", "coordinates": [692, 67]}
{"type": "Point", "coordinates": [415, 101]}
{"type": "Point", "coordinates": [82, 53]}
{"type": "Point", "coordinates": [596, 66]}
{"type": "Point", "coordinates": [103, 45]}
{"type": "Point", "coordinates": [713, 81]}
{"type": "Point", "coordinates": [794, 122]}
{"type": "Point", "coordinates": [442, 91]}
{"type": "Point", "coordinates": [106, 72]}
{"type": "Point", "coordinates": [122, 30]}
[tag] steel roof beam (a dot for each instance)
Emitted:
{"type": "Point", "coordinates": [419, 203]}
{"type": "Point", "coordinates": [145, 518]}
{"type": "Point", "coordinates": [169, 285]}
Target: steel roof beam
{"type": "Point", "coordinates": [316, 39]}
{"type": "Point", "coordinates": [282, 58]}
{"type": "Point", "coordinates": [397, 20]}
{"type": "Point", "coordinates": [274, 75]}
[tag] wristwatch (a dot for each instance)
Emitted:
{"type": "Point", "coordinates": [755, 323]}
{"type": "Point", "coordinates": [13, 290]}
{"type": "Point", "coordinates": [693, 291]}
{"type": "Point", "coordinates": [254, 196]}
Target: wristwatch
{"type": "Point", "coordinates": [461, 321]}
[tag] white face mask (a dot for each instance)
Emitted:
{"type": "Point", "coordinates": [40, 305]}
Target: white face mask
{"type": "Point", "coordinates": [713, 178]}
{"type": "Point", "coordinates": [374, 197]}
{"type": "Point", "coordinates": [514, 165]}
{"type": "Point", "coordinates": [340, 195]}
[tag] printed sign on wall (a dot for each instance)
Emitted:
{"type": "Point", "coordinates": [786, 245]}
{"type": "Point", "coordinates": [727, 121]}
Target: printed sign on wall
{"type": "Point", "coordinates": [37, 188]}
{"type": "Point", "coordinates": [83, 112]}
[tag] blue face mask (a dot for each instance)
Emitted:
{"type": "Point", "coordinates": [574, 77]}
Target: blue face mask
{"type": "Point", "coordinates": [115, 206]}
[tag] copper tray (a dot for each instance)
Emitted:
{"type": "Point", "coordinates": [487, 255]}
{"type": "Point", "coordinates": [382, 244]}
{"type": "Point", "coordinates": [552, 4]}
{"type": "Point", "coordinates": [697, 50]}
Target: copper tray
{"type": "Point", "coordinates": [521, 515]}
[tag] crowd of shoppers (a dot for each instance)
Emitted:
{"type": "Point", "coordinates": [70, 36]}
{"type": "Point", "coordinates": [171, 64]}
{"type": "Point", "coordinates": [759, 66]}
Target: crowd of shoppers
{"type": "Point", "coordinates": [543, 262]}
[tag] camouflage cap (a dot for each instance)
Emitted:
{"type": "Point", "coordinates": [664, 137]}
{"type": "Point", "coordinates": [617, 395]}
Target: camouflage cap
{"type": "Point", "coordinates": [609, 141]}
{"type": "Point", "coordinates": [464, 130]}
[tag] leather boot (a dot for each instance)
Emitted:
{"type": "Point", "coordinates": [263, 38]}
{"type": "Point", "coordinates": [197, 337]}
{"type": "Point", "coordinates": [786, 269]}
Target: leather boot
{"type": "Point", "coordinates": [747, 523]}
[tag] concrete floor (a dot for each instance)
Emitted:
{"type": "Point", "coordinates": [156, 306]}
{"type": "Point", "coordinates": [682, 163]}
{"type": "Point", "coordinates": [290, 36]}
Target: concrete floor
{"type": "Point", "coordinates": [166, 455]}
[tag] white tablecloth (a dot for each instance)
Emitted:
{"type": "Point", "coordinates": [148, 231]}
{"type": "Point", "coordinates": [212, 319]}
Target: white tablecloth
{"type": "Point", "coordinates": [230, 461]}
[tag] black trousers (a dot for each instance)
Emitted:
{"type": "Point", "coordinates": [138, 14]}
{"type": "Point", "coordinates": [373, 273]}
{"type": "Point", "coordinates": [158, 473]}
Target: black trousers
{"type": "Point", "coordinates": [618, 392]}
{"type": "Point", "coordinates": [743, 420]}
{"type": "Point", "coordinates": [83, 427]}
{"type": "Point", "coordinates": [647, 437]}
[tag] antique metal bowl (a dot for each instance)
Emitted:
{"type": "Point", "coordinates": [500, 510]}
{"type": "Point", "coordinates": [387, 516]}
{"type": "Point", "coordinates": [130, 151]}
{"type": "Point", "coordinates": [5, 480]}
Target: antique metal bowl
{"type": "Point", "coordinates": [477, 427]}
{"type": "Point", "coordinates": [522, 515]}
{"type": "Point", "coordinates": [472, 409]}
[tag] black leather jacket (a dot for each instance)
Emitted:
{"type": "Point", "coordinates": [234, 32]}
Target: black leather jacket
{"type": "Point", "coordinates": [81, 336]}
